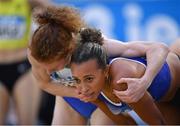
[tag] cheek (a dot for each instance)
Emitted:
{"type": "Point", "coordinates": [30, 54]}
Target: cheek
{"type": "Point", "coordinates": [102, 83]}
{"type": "Point", "coordinates": [99, 84]}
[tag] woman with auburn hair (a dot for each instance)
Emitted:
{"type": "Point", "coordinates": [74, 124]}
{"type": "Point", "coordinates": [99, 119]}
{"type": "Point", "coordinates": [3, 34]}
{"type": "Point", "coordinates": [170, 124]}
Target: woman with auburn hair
{"type": "Point", "coordinates": [54, 41]}
{"type": "Point", "coordinates": [95, 77]}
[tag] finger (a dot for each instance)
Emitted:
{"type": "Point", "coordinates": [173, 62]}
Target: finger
{"type": "Point", "coordinates": [122, 80]}
{"type": "Point", "coordinates": [127, 99]}
{"type": "Point", "coordinates": [120, 93]}
{"type": "Point", "coordinates": [89, 98]}
{"type": "Point", "coordinates": [124, 99]}
{"type": "Point", "coordinates": [77, 91]}
{"type": "Point", "coordinates": [85, 99]}
{"type": "Point", "coordinates": [81, 96]}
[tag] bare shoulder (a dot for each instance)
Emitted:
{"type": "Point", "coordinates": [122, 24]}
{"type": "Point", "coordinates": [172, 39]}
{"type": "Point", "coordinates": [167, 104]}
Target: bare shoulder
{"type": "Point", "coordinates": [125, 68]}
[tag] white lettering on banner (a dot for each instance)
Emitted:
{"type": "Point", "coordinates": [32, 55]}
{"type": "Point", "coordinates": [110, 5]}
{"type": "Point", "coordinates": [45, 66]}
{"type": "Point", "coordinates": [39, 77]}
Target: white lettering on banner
{"type": "Point", "coordinates": [159, 27]}
{"type": "Point", "coordinates": [100, 17]}
{"type": "Point", "coordinates": [133, 14]}
{"type": "Point", "coordinates": [138, 25]}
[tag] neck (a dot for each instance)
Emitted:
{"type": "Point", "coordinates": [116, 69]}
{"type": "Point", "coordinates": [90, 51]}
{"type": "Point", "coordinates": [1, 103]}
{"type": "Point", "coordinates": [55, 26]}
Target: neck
{"type": "Point", "coordinates": [108, 91]}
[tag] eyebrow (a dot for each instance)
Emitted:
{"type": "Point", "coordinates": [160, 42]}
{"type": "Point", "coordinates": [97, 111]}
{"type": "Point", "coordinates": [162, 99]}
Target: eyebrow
{"type": "Point", "coordinates": [88, 76]}
{"type": "Point", "coordinates": [84, 76]}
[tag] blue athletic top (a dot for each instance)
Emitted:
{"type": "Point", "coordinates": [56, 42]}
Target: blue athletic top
{"type": "Point", "coordinates": [85, 109]}
{"type": "Point", "coordinates": [157, 89]}
{"type": "Point", "coordinates": [161, 82]}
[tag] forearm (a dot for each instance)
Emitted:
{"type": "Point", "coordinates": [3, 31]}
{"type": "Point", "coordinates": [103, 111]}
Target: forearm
{"type": "Point", "coordinates": [54, 88]}
{"type": "Point", "coordinates": [113, 47]}
{"type": "Point", "coordinates": [58, 89]}
{"type": "Point", "coordinates": [148, 111]}
{"type": "Point", "coordinates": [155, 53]}
{"type": "Point", "coordinates": [156, 57]}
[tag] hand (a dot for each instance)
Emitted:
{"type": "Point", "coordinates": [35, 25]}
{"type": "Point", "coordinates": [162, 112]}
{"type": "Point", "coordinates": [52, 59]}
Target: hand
{"type": "Point", "coordinates": [135, 91]}
{"type": "Point", "coordinates": [32, 60]}
{"type": "Point", "coordinates": [38, 71]}
{"type": "Point", "coordinates": [86, 97]}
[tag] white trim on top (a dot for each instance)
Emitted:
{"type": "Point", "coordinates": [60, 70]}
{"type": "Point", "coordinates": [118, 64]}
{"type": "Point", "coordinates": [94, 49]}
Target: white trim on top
{"type": "Point", "coordinates": [116, 104]}
{"type": "Point", "coordinates": [127, 60]}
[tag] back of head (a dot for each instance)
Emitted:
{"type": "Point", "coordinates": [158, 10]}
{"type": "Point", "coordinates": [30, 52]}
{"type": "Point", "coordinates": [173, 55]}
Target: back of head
{"type": "Point", "coordinates": [54, 38]}
{"type": "Point", "coordinates": [90, 47]}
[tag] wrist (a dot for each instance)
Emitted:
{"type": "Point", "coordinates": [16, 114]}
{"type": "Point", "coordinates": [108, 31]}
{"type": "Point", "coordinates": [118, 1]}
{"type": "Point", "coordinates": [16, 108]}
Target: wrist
{"type": "Point", "coordinates": [70, 92]}
{"type": "Point", "coordinates": [146, 81]}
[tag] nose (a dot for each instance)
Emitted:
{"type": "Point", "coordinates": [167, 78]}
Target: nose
{"type": "Point", "coordinates": [82, 88]}
{"type": "Point", "coordinates": [85, 90]}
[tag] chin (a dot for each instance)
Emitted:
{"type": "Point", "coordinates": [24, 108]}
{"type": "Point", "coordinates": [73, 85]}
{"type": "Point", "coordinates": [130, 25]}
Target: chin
{"type": "Point", "coordinates": [96, 94]}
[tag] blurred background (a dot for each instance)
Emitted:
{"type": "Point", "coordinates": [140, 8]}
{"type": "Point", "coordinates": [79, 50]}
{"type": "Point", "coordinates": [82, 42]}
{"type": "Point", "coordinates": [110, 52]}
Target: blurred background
{"type": "Point", "coordinates": [125, 20]}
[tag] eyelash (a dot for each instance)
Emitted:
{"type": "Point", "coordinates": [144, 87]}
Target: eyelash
{"type": "Point", "coordinates": [89, 79]}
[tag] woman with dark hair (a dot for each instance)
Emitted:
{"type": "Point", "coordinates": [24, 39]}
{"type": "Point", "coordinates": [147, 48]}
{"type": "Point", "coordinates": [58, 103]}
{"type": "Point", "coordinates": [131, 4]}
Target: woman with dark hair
{"type": "Point", "coordinates": [96, 78]}
{"type": "Point", "coordinates": [56, 38]}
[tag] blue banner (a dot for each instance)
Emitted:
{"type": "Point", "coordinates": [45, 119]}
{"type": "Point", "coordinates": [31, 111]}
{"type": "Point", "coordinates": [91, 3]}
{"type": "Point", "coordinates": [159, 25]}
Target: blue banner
{"type": "Point", "coordinates": [126, 20]}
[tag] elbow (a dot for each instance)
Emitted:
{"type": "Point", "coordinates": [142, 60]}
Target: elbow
{"type": "Point", "coordinates": [161, 48]}
{"type": "Point", "coordinates": [164, 47]}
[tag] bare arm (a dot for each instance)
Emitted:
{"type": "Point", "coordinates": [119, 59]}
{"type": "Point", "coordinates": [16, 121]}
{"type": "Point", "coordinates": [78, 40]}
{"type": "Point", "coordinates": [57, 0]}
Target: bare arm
{"type": "Point", "coordinates": [52, 87]}
{"type": "Point", "coordinates": [145, 107]}
{"type": "Point", "coordinates": [45, 83]}
{"type": "Point", "coordinates": [148, 111]}
{"type": "Point", "coordinates": [118, 119]}
{"type": "Point", "coordinates": [155, 53]}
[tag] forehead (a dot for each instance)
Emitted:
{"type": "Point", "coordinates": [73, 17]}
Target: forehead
{"type": "Point", "coordinates": [89, 66]}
